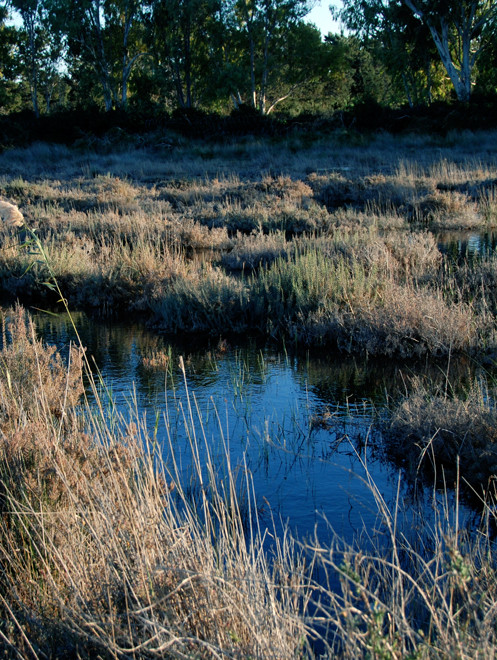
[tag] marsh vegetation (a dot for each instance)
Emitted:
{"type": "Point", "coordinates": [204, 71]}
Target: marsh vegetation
{"type": "Point", "coordinates": [316, 245]}
{"type": "Point", "coordinates": [325, 245]}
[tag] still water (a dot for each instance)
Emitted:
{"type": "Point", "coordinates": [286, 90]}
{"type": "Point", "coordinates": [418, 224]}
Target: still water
{"type": "Point", "coordinates": [462, 245]}
{"type": "Point", "coordinates": [303, 427]}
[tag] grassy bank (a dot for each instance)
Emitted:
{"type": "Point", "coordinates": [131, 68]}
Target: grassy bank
{"type": "Point", "coordinates": [433, 433]}
{"type": "Point", "coordinates": [322, 241]}
{"type": "Point", "coordinates": [102, 551]}
{"type": "Point", "coordinates": [105, 554]}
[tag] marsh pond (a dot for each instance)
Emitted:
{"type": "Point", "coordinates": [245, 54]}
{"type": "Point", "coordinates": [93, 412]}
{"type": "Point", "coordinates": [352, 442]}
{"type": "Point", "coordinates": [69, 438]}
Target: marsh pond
{"type": "Point", "coordinates": [302, 429]}
{"type": "Point", "coordinates": [318, 354]}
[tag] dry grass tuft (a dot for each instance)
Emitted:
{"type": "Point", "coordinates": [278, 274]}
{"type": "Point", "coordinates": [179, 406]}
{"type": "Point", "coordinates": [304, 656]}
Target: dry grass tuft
{"type": "Point", "coordinates": [26, 367]}
{"type": "Point", "coordinates": [438, 430]}
{"type": "Point", "coordinates": [103, 554]}
{"type": "Point", "coordinates": [157, 361]}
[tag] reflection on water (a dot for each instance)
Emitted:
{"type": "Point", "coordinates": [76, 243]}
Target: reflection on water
{"type": "Point", "coordinates": [302, 426]}
{"type": "Point", "coordinates": [467, 244]}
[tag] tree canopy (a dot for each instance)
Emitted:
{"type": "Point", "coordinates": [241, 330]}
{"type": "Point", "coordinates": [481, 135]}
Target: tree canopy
{"type": "Point", "coordinates": [219, 55]}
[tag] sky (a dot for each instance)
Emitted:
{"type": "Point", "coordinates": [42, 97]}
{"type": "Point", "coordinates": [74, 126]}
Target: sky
{"type": "Point", "coordinates": [321, 16]}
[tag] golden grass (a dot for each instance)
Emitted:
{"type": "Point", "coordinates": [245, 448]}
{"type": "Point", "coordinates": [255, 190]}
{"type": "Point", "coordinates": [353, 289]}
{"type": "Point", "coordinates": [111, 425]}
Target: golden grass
{"type": "Point", "coordinates": [102, 552]}
{"type": "Point", "coordinates": [167, 234]}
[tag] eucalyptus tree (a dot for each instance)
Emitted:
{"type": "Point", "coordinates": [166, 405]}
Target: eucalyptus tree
{"type": "Point", "coordinates": [264, 27]}
{"type": "Point", "coordinates": [105, 36]}
{"type": "Point", "coordinates": [300, 67]}
{"type": "Point", "coordinates": [126, 32]}
{"type": "Point", "coordinates": [10, 98]}
{"type": "Point", "coordinates": [39, 50]}
{"type": "Point", "coordinates": [460, 30]}
{"type": "Point", "coordinates": [185, 41]}
{"type": "Point", "coordinates": [30, 12]}
{"type": "Point", "coordinates": [389, 31]}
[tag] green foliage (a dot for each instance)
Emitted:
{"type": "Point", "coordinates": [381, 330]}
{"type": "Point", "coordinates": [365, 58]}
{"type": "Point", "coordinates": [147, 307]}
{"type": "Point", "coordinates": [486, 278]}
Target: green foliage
{"type": "Point", "coordinates": [10, 93]}
{"type": "Point", "coordinates": [185, 38]}
{"type": "Point", "coordinates": [105, 38]}
{"type": "Point", "coordinates": [215, 56]}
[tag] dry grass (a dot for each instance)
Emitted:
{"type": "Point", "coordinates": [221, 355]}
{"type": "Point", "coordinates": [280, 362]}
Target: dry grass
{"type": "Point", "coordinates": [157, 361]}
{"type": "Point", "coordinates": [439, 430]}
{"type": "Point", "coordinates": [102, 552]}
{"type": "Point", "coordinates": [167, 234]}
{"type": "Point", "coordinates": [408, 322]}
{"type": "Point", "coordinates": [426, 593]}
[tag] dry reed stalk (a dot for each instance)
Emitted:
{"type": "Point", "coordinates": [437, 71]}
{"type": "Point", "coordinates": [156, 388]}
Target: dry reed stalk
{"type": "Point", "coordinates": [429, 593]}
{"type": "Point", "coordinates": [101, 550]}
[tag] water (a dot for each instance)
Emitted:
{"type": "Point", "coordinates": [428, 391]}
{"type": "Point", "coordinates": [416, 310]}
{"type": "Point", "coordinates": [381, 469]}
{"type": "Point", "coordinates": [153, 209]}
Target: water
{"type": "Point", "coordinates": [300, 428]}
{"type": "Point", "coordinates": [467, 244]}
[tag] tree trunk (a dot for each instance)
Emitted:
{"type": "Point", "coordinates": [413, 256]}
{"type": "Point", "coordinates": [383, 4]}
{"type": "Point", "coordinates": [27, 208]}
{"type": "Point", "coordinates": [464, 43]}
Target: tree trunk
{"type": "Point", "coordinates": [101, 59]}
{"type": "Point", "coordinates": [252, 74]}
{"type": "Point", "coordinates": [188, 68]}
{"type": "Point", "coordinates": [29, 21]}
{"type": "Point", "coordinates": [460, 77]}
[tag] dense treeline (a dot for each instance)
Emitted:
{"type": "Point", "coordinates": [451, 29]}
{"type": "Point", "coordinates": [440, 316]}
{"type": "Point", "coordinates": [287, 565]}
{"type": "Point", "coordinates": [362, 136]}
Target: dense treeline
{"type": "Point", "coordinates": [150, 57]}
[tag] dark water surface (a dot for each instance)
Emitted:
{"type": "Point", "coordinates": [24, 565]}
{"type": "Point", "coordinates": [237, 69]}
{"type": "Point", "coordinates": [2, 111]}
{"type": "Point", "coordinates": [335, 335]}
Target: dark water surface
{"type": "Point", "coordinates": [302, 426]}
{"type": "Point", "coordinates": [467, 244]}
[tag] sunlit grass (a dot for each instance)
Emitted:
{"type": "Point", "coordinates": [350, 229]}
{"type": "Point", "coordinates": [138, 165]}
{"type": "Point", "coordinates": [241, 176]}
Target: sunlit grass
{"type": "Point", "coordinates": [329, 244]}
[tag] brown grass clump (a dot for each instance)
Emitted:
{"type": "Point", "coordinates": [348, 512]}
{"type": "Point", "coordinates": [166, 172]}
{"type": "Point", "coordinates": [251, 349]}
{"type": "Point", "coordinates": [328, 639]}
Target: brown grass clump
{"type": "Point", "coordinates": [397, 257]}
{"type": "Point", "coordinates": [103, 555]}
{"type": "Point", "coordinates": [337, 190]}
{"type": "Point", "coordinates": [437, 429]}
{"type": "Point", "coordinates": [26, 367]}
{"type": "Point", "coordinates": [447, 209]}
{"type": "Point", "coordinates": [409, 321]}
{"type": "Point", "coordinates": [367, 314]}
{"type": "Point", "coordinates": [157, 361]}
{"type": "Point", "coordinates": [255, 250]}
{"type": "Point", "coordinates": [286, 188]}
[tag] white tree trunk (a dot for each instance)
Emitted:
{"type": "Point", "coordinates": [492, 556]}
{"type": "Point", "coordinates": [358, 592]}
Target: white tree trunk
{"type": "Point", "coordinates": [458, 62]}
